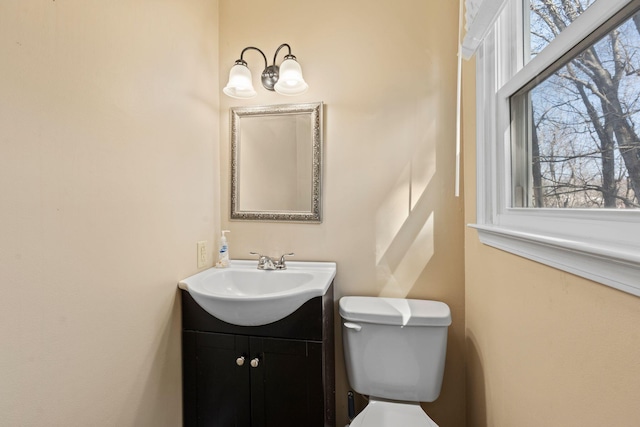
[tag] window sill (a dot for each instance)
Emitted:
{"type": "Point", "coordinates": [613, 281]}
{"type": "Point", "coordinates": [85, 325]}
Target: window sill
{"type": "Point", "coordinates": [616, 266]}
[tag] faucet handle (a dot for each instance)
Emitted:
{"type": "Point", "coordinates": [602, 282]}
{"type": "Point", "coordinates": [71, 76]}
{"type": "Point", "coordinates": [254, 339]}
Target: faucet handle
{"type": "Point", "coordinates": [282, 265]}
{"type": "Point", "coordinates": [261, 259]}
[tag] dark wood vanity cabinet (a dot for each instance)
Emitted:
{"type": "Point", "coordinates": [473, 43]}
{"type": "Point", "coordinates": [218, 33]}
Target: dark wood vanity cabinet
{"type": "Point", "coordinates": [275, 375]}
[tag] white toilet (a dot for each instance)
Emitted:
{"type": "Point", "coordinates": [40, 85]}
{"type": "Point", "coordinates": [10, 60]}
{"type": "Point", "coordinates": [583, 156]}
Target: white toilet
{"type": "Point", "coordinates": [394, 351]}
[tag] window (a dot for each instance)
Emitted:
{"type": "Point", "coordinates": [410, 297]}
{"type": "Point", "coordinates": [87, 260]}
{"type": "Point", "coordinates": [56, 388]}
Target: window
{"type": "Point", "coordinates": [577, 126]}
{"type": "Point", "coordinates": [558, 136]}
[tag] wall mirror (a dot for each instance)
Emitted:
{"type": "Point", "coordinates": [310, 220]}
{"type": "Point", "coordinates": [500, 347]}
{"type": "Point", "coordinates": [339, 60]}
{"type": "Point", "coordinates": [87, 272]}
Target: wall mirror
{"type": "Point", "coordinates": [276, 162]}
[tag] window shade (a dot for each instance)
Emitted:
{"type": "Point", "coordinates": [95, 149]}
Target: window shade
{"type": "Point", "coordinates": [479, 17]}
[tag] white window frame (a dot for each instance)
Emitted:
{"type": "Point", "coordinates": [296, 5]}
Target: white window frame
{"type": "Point", "coordinates": [601, 245]}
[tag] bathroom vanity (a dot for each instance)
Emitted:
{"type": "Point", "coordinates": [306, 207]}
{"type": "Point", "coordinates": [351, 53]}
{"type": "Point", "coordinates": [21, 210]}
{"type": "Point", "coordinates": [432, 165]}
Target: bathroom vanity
{"type": "Point", "coordinates": [275, 375]}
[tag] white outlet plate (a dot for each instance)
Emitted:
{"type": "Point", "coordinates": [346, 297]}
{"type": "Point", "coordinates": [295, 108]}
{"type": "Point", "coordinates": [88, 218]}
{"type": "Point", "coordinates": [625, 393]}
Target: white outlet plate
{"type": "Point", "coordinates": [202, 254]}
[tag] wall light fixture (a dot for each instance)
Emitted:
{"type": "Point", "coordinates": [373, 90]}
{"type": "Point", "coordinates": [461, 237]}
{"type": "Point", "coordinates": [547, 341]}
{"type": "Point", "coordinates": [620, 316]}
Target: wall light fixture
{"type": "Point", "coordinates": [285, 79]}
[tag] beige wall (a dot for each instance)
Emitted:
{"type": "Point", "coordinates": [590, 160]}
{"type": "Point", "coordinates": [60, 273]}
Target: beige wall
{"type": "Point", "coordinates": [544, 348]}
{"type": "Point", "coordinates": [108, 137]}
{"type": "Point", "coordinates": [386, 73]}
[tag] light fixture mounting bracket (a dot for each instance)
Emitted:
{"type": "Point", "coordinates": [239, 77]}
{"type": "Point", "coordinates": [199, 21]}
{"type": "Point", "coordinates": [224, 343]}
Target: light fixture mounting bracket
{"type": "Point", "coordinates": [270, 77]}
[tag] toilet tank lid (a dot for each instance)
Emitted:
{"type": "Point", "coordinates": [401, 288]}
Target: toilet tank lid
{"type": "Point", "coordinates": [395, 311]}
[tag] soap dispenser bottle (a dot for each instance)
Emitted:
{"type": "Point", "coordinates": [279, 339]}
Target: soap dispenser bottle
{"type": "Point", "coordinates": [223, 254]}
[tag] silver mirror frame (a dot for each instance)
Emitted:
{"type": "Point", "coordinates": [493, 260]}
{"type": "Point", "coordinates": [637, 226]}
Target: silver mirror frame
{"type": "Point", "coordinates": [314, 109]}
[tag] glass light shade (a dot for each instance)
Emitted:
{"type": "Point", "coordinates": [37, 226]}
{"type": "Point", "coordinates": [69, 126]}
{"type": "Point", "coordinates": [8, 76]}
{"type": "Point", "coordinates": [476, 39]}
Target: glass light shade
{"type": "Point", "coordinates": [290, 81]}
{"type": "Point", "coordinates": [239, 85]}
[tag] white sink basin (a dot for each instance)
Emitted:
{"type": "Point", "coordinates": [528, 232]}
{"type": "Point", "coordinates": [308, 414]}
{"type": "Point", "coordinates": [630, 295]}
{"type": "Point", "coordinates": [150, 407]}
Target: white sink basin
{"type": "Point", "coordinates": [243, 295]}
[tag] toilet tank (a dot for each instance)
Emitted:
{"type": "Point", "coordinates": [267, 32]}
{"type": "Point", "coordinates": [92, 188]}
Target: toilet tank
{"type": "Point", "coordinates": [395, 348]}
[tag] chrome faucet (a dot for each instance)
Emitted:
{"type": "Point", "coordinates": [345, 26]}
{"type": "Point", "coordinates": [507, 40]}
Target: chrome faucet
{"type": "Point", "coordinates": [268, 263]}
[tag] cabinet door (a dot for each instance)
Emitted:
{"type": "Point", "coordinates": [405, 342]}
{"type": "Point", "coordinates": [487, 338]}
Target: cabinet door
{"type": "Point", "coordinates": [286, 387]}
{"type": "Point", "coordinates": [221, 385]}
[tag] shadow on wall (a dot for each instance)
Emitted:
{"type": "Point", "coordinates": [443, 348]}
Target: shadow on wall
{"type": "Point", "coordinates": [405, 223]}
{"type": "Point", "coordinates": [477, 407]}
{"type": "Point", "coordinates": [157, 369]}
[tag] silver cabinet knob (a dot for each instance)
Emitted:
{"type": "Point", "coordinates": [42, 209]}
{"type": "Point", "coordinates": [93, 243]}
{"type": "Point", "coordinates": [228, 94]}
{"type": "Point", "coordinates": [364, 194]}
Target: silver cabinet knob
{"type": "Point", "coordinates": [254, 362]}
{"type": "Point", "coordinates": [240, 361]}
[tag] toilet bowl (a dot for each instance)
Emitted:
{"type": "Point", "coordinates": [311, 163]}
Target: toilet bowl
{"type": "Point", "coordinates": [382, 413]}
{"type": "Point", "coordinates": [394, 351]}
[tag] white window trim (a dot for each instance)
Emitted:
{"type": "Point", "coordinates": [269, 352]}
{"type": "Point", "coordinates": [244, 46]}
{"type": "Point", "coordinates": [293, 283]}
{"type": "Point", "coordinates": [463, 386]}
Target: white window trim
{"type": "Point", "coordinates": [600, 245]}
